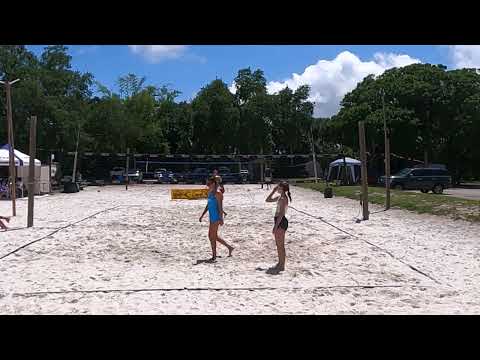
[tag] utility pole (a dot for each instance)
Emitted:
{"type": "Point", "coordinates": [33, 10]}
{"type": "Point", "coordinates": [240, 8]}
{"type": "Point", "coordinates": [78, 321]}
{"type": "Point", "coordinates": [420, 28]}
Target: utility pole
{"type": "Point", "coordinates": [74, 177]}
{"type": "Point", "coordinates": [50, 172]}
{"type": "Point", "coordinates": [314, 156]}
{"type": "Point", "coordinates": [11, 154]}
{"type": "Point", "coordinates": [363, 158]}
{"type": "Point", "coordinates": [387, 155]}
{"type": "Point", "coordinates": [345, 168]}
{"type": "Point", "coordinates": [31, 170]}
{"type": "Point", "coordinates": [262, 169]}
{"type": "Point", "coordinates": [126, 169]}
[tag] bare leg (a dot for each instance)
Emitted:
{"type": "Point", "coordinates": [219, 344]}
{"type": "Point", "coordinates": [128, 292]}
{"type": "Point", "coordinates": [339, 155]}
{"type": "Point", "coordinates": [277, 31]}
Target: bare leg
{"type": "Point", "coordinates": [223, 242]}
{"type": "Point", "coordinates": [212, 230]}
{"type": "Point", "coordinates": [280, 240]}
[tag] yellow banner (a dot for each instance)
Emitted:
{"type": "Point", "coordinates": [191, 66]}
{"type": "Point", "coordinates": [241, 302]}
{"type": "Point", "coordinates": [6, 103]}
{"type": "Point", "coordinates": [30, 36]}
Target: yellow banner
{"type": "Point", "coordinates": [189, 194]}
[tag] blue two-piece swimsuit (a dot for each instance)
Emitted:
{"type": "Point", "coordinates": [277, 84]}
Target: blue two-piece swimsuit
{"type": "Point", "coordinates": [213, 208]}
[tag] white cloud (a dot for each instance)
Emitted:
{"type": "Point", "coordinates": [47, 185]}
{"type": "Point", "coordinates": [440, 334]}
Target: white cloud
{"type": "Point", "coordinates": [157, 53]}
{"type": "Point", "coordinates": [233, 88]}
{"type": "Point", "coordinates": [465, 56]}
{"type": "Point", "coordinates": [330, 80]}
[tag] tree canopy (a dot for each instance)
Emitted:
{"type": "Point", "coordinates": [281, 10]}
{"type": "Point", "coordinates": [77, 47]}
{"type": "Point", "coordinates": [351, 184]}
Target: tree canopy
{"type": "Point", "coordinates": [432, 113]}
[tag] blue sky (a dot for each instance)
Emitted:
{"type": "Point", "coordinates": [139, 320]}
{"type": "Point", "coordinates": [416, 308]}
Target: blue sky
{"type": "Point", "coordinates": [188, 68]}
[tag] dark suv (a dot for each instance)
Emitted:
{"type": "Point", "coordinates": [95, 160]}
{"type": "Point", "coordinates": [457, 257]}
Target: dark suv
{"type": "Point", "coordinates": [199, 175]}
{"type": "Point", "coordinates": [423, 179]}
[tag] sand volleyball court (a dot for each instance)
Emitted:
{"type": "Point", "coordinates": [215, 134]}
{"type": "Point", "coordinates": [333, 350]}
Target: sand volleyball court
{"type": "Point", "coordinates": [110, 251]}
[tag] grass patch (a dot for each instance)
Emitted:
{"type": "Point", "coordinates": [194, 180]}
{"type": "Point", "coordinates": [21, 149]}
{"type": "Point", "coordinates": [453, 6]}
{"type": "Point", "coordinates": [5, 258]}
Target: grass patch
{"type": "Point", "coordinates": [453, 207]}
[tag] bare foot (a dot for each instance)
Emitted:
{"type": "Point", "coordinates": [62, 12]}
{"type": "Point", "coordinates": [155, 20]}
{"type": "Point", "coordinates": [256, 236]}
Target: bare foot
{"type": "Point", "coordinates": [230, 250]}
{"type": "Point", "coordinates": [280, 267]}
{"type": "Point", "coordinates": [212, 260]}
{"type": "Point", "coordinates": [273, 271]}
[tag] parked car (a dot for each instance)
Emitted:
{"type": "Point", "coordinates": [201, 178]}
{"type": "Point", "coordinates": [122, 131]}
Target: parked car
{"type": "Point", "coordinates": [165, 177]}
{"type": "Point", "coordinates": [228, 176]}
{"type": "Point", "coordinates": [423, 179]}
{"type": "Point", "coordinates": [68, 178]}
{"type": "Point", "coordinates": [180, 177]}
{"type": "Point", "coordinates": [244, 176]}
{"type": "Point", "coordinates": [198, 175]}
{"type": "Point", "coordinates": [135, 175]}
{"type": "Point", "coordinates": [149, 177]}
{"type": "Point", "coordinates": [117, 171]}
{"type": "Point", "coordinates": [117, 175]}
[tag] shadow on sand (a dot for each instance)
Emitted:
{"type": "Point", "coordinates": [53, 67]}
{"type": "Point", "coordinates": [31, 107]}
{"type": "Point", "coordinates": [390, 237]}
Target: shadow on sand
{"type": "Point", "coordinates": [270, 271]}
{"type": "Point", "coordinates": [206, 261]}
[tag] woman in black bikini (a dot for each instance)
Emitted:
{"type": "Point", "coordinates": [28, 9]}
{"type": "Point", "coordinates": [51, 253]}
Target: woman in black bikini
{"type": "Point", "coordinates": [280, 222]}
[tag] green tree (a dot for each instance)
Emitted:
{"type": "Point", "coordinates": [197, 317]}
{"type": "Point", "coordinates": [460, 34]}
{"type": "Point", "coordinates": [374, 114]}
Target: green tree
{"type": "Point", "coordinates": [215, 119]}
{"type": "Point", "coordinates": [255, 112]}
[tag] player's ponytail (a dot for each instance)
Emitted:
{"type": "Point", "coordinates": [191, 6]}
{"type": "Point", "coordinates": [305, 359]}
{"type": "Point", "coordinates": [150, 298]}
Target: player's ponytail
{"type": "Point", "coordinates": [286, 188]}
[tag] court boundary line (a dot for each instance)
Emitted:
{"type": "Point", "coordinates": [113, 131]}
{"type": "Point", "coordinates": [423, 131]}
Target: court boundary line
{"type": "Point", "coordinates": [259, 288]}
{"type": "Point", "coordinates": [371, 244]}
{"type": "Point", "coordinates": [56, 231]}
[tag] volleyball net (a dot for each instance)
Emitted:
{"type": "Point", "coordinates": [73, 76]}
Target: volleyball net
{"type": "Point", "coordinates": [188, 168]}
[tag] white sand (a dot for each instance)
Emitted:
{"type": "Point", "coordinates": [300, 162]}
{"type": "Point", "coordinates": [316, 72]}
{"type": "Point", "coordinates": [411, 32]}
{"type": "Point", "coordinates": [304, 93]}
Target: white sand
{"type": "Point", "coordinates": [151, 243]}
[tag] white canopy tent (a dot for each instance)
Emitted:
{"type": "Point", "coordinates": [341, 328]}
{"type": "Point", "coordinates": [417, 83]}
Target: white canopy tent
{"type": "Point", "coordinates": [21, 159]}
{"type": "Point", "coordinates": [334, 169]}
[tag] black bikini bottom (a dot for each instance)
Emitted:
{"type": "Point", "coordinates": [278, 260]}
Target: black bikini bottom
{"type": "Point", "coordinates": [283, 223]}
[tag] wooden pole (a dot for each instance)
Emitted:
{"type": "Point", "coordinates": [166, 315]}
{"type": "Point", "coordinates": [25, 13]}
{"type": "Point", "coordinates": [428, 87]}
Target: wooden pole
{"type": "Point", "coordinates": [262, 168]}
{"type": "Point", "coordinates": [31, 170]}
{"type": "Point", "coordinates": [11, 157]}
{"type": "Point", "coordinates": [126, 169]}
{"type": "Point", "coordinates": [314, 156]}
{"type": "Point", "coordinates": [387, 156]}
{"type": "Point", "coordinates": [50, 173]}
{"type": "Point", "coordinates": [74, 177]}
{"type": "Point", "coordinates": [345, 175]}
{"type": "Point", "coordinates": [363, 158]}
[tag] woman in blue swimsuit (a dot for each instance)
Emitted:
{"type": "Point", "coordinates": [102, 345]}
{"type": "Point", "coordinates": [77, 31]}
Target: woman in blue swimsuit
{"type": "Point", "coordinates": [215, 211]}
